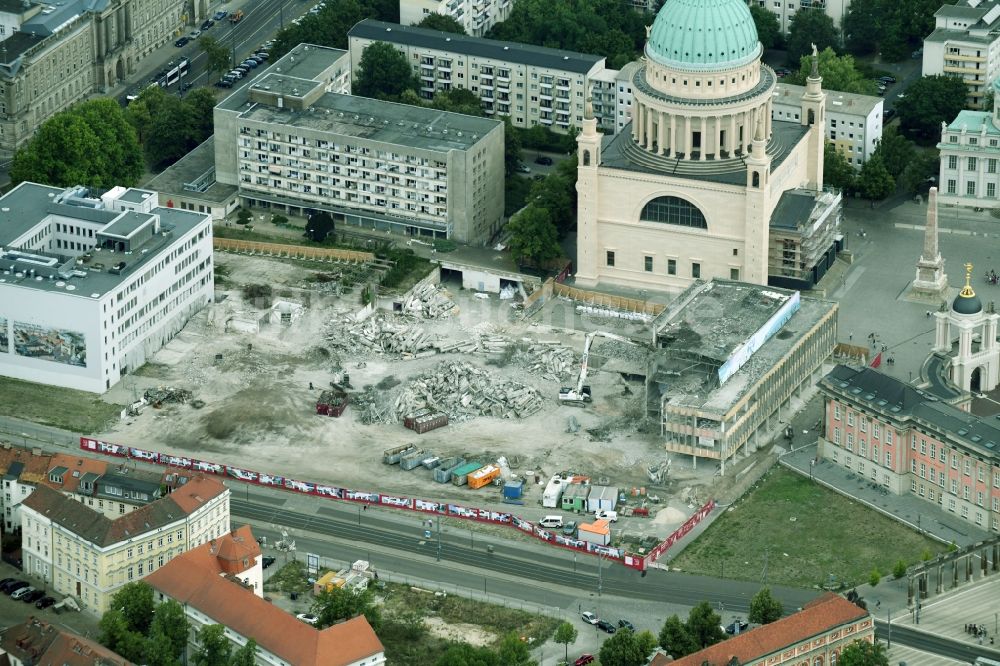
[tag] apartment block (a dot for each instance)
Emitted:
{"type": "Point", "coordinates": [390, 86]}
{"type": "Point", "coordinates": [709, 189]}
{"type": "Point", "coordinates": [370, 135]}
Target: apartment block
{"type": "Point", "coordinates": [970, 155]}
{"type": "Point", "coordinates": [853, 122]}
{"type": "Point", "coordinates": [79, 551]}
{"type": "Point", "coordinates": [623, 95]}
{"type": "Point", "coordinates": [290, 145]}
{"type": "Point", "coordinates": [532, 85]}
{"type": "Point", "coordinates": [886, 431]}
{"type": "Point", "coordinates": [92, 287]}
{"type": "Point", "coordinates": [786, 10]}
{"type": "Point", "coordinates": [966, 43]}
{"type": "Point", "coordinates": [110, 488]}
{"type": "Point", "coordinates": [475, 16]}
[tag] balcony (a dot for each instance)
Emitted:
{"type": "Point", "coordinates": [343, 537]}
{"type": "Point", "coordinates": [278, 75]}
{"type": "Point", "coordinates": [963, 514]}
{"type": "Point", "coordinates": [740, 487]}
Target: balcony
{"type": "Point", "coordinates": [545, 121]}
{"type": "Point", "coordinates": [487, 97]}
{"type": "Point", "coordinates": [485, 86]}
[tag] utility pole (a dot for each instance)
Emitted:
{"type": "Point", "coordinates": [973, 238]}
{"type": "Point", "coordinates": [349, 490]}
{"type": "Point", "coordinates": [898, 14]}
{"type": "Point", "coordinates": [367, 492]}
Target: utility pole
{"type": "Point", "coordinates": [763, 576]}
{"type": "Point", "coordinates": [439, 538]}
{"type": "Point", "coordinates": [600, 574]}
{"type": "Point", "coordinates": [888, 636]}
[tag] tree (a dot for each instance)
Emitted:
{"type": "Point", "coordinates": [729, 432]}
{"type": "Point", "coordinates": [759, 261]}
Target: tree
{"type": "Point", "coordinates": [863, 653]}
{"type": "Point", "coordinates": [89, 144]}
{"type": "Point", "coordinates": [533, 237]}
{"type": "Point", "coordinates": [319, 226]}
{"type": "Point", "coordinates": [895, 150]}
{"type": "Point", "coordinates": [330, 26]}
{"type": "Point", "coordinates": [159, 651]}
{"type": "Point", "coordinates": [565, 634]}
{"type": "Point", "coordinates": [675, 639]}
{"type": "Point", "coordinates": [768, 27]}
{"type": "Point", "coordinates": [917, 174]}
{"type": "Point", "coordinates": [218, 56]}
{"type": "Point", "coordinates": [280, 219]}
{"type": "Point", "coordinates": [244, 216]}
{"type": "Point", "coordinates": [202, 103]}
{"type": "Point", "coordinates": [623, 649]}
{"type": "Point", "coordinates": [135, 602]}
{"type": "Point", "coordinates": [170, 622]}
{"type": "Point", "coordinates": [808, 27]}
{"type": "Point", "coordinates": [874, 577]}
{"type": "Point", "coordinates": [511, 148]}
{"type": "Point", "coordinates": [930, 101]}
{"type": "Point", "coordinates": [838, 72]}
{"type": "Point", "coordinates": [246, 655]}
{"type": "Point", "coordinates": [875, 182]}
{"type": "Point", "coordinates": [514, 652]}
{"type": "Point", "coordinates": [383, 73]}
{"type": "Point", "coordinates": [555, 193]}
{"type": "Point", "coordinates": [646, 642]}
{"type": "Point", "coordinates": [863, 26]}
{"type": "Point", "coordinates": [899, 569]}
{"type": "Point", "coordinates": [214, 649]}
{"type": "Point", "coordinates": [764, 608]}
{"type": "Point", "coordinates": [442, 22]}
{"type": "Point", "coordinates": [837, 171]}
{"type": "Point", "coordinates": [342, 603]}
{"type": "Point", "coordinates": [458, 100]}
{"type": "Point", "coordinates": [704, 626]}
{"type": "Point", "coordinates": [463, 654]}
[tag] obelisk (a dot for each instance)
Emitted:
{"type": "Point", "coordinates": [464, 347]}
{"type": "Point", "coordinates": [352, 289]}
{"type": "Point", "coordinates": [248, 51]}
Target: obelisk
{"type": "Point", "coordinates": [931, 282]}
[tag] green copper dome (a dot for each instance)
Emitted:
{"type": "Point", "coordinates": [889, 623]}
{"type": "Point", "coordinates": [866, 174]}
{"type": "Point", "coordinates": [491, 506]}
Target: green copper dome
{"type": "Point", "coordinates": [703, 34]}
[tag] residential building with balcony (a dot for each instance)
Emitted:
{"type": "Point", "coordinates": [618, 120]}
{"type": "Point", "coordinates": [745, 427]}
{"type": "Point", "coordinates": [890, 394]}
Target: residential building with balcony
{"type": "Point", "coordinates": [786, 10]}
{"type": "Point", "coordinates": [966, 43]}
{"type": "Point", "coordinates": [290, 145]}
{"type": "Point", "coordinates": [623, 101]}
{"type": "Point", "coordinates": [79, 551]}
{"type": "Point", "coordinates": [532, 85]}
{"type": "Point", "coordinates": [110, 488]}
{"type": "Point", "coordinates": [912, 442]}
{"type": "Point", "coordinates": [475, 16]}
{"type": "Point", "coordinates": [853, 122]}
{"type": "Point", "coordinates": [970, 159]}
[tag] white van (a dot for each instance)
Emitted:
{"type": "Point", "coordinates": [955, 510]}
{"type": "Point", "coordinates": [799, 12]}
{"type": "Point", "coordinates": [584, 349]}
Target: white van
{"type": "Point", "coordinates": [551, 522]}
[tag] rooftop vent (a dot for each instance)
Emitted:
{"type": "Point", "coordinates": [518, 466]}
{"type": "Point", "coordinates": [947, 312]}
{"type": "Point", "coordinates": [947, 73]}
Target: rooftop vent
{"type": "Point", "coordinates": [977, 438]}
{"type": "Point", "coordinates": [963, 431]}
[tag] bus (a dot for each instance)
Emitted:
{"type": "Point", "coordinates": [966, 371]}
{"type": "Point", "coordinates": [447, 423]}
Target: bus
{"type": "Point", "coordinates": [175, 72]}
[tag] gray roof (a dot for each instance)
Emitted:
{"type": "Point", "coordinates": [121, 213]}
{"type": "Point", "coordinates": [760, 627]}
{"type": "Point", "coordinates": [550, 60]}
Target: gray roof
{"type": "Point", "coordinates": [793, 209]}
{"type": "Point", "coordinates": [190, 168]}
{"type": "Point", "coordinates": [512, 52]}
{"type": "Point", "coordinates": [14, 471]}
{"type": "Point", "coordinates": [836, 101]}
{"type": "Point", "coordinates": [901, 403]}
{"type": "Point", "coordinates": [945, 34]}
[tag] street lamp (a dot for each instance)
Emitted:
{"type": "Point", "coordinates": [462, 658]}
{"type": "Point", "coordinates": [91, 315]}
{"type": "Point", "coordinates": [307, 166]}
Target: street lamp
{"type": "Point", "coordinates": [812, 464]}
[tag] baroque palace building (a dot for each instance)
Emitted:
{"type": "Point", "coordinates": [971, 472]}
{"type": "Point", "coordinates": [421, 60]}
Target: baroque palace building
{"type": "Point", "coordinates": [704, 183]}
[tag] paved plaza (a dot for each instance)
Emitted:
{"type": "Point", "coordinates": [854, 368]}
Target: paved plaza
{"type": "Point", "coordinates": [947, 614]}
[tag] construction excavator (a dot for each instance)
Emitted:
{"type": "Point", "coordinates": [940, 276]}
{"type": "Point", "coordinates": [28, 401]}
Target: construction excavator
{"type": "Point", "coordinates": [580, 396]}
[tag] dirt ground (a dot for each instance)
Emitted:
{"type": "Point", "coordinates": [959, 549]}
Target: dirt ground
{"type": "Point", "coordinates": [259, 411]}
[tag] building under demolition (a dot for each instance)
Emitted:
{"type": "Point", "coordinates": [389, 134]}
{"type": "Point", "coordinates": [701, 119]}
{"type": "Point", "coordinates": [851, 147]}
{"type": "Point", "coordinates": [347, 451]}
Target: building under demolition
{"type": "Point", "coordinates": [728, 358]}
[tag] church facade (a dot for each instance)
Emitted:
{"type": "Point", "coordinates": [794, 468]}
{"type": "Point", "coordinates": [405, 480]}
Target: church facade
{"type": "Point", "coordinates": [704, 183]}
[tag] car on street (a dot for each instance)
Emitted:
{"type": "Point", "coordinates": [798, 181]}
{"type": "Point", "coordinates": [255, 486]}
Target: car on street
{"type": "Point", "coordinates": [252, 64]}
{"type": "Point", "coordinates": [308, 618]}
{"type": "Point", "coordinates": [194, 34]}
{"type": "Point", "coordinates": [181, 42]}
{"type": "Point", "coordinates": [523, 168]}
{"type": "Point", "coordinates": [737, 626]}
{"type": "Point", "coordinates": [14, 586]}
{"type": "Point", "coordinates": [207, 24]}
{"type": "Point", "coordinates": [542, 159]}
{"type": "Point", "coordinates": [6, 580]}
{"type": "Point", "coordinates": [22, 592]}
{"type": "Point", "coordinates": [583, 660]}
{"type": "Point", "coordinates": [267, 561]}
{"type": "Point", "coordinates": [625, 624]}
{"type": "Point", "coordinates": [589, 617]}
{"type": "Point", "coordinates": [604, 625]}
{"type": "Point", "coordinates": [611, 516]}
{"type": "Point", "coordinates": [569, 529]}
{"type": "Point", "coordinates": [887, 79]}
{"type": "Point", "coordinates": [219, 15]}
{"type": "Point", "coordinates": [186, 86]}
{"type": "Point", "coordinates": [44, 602]}
{"type": "Point", "coordinates": [262, 55]}
{"type": "Point", "coordinates": [33, 596]}
{"type": "Point", "coordinates": [224, 83]}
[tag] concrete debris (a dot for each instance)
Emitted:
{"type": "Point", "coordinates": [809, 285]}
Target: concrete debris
{"type": "Point", "coordinates": [381, 333]}
{"type": "Point", "coordinates": [594, 311]}
{"type": "Point", "coordinates": [622, 350]}
{"type": "Point", "coordinates": [555, 363]}
{"type": "Point", "coordinates": [430, 302]}
{"type": "Point", "coordinates": [508, 292]}
{"type": "Point", "coordinates": [164, 394]}
{"type": "Point", "coordinates": [463, 391]}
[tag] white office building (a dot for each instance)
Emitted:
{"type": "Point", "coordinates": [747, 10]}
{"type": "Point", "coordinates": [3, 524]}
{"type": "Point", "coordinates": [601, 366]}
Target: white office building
{"type": "Point", "coordinates": [853, 122]}
{"type": "Point", "coordinates": [786, 10]}
{"type": "Point", "coordinates": [91, 287]}
{"type": "Point", "coordinates": [475, 16]}
{"type": "Point", "coordinates": [966, 43]}
{"type": "Point", "coordinates": [970, 157]}
{"type": "Point", "coordinates": [532, 85]}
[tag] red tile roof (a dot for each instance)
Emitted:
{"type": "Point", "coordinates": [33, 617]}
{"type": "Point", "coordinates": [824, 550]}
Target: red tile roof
{"type": "Point", "coordinates": [232, 553]}
{"type": "Point", "coordinates": [195, 493]}
{"type": "Point", "coordinates": [36, 467]}
{"type": "Point", "coordinates": [38, 642]}
{"type": "Point", "coordinates": [74, 464]}
{"type": "Point", "coordinates": [817, 617]}
{"type": "Point", "coordinates": [193, 580]}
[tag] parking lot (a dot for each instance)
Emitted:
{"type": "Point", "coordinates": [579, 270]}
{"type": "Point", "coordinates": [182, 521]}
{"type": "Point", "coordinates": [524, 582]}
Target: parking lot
{"type": "Point", "coordinates": [14, 612]}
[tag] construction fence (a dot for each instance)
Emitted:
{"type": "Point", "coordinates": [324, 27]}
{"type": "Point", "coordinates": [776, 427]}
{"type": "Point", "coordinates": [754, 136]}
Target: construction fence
{"type": "Point", "coordinates": [291, 251]}
{"type": "Point", "coordinates": [607, 300]}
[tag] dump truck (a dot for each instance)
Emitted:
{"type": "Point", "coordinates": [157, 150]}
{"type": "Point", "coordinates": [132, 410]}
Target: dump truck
{"type": "Point", "coordinates": [236, 16]}
{"type": "Point", "coordinates": [332, 402]}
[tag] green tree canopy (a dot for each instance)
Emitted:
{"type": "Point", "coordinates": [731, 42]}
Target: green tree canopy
{"type": "Point", "coordinates": [890, 27]}
{"type": "Point", "coordinates": [863, 26]}
{"type": "Point", "coordinates": [837, 171]}
{"type": "Point", "coordinates": [141, 633]}
{"type": "Point", "coordinates": [764, 608]}
{"type": "Point", "coordinates": [557, 194]}
{"type": "Point", "coordinates": [330, 26]}
{"type": "Point", "coordinates": [319, 226]}
{"type": "Point", "coordinates": [344, 603]}
{"type": "Point", "coordinates": [895, 150]}
{"type": "Point", "coordinates": [875, 181]}
{"type": "Point", "coordinates": [624, 649]}
{"type": "Point", "coordinates": [170, 621]}
{"type": "Point", "coordinates": [89, 144]}
{"type": "Point", "coordinates": [463, 654]}
{"type": "Point", "coordinates": [704, 626]}
{"type": "Point", "coordinates": [863, 653]}
{"type": "Point", "coordinates": [514, 652]}
{"type": "Point", "coordinates": [674, 638]}
{"type": "Point", "coordinates": [917, 174]}
{"type": "Point", "coordinates": [565, 634]}
{"type": "Point", "coordinates": [246, 655]}
{"type": "Point", "coordinates": [383, 73]}
{"type": "Point", "coordinates": [511, 148]}
{"type": "Point", "coordinates": [533, 237]}
{"type": "Point", "coordinates": [838, 72]}
{"type": "Point", "coordinates": [218, 56]}
{"type": "Point", "coordinates": [170, 127]}
{"type": "Point", "coordinates": [930, 101]}
{"type": "Point", "coordinates": [808, 27]}
{"type": "Point", "coordinates": [442, 22]}
{"type": "Point", "coordinates": [768, 26]}
{"type": "Point", "coordinates": [214, 649]}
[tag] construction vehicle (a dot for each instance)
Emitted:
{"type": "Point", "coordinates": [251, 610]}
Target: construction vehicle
{"type": "Point", "coordinates": [581, 395]}
{"type": "Point", "coordinates": [236, 16]}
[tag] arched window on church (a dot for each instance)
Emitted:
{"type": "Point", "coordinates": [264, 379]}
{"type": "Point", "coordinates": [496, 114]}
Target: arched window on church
{"type": "Point", "coordinates": [586, 158]}
{"type": "Point", "coordinates": [755, 179]}
{"type": "Point", "coordinates": [811, 117]}
{"type": "Point", "coordinates": [672, 210]}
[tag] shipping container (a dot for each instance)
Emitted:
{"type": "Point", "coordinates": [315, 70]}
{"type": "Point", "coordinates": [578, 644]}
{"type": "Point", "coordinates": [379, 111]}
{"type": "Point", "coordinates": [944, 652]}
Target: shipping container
{"type": "Point", "coordinates": [483, 477]}
{"type": "Point", "coordinates": [426, 422]}
{"type": "Point", "coordinates": [460, 476]}
{"type": "Point", "coordinates": [574, 497]}
{"type": "Point", "coordinates": [598, 532]}
{"type": "Point", "coordinates": [392, 456]}
{"type": "Point", "coordinates": [444, 471]}
{"type": "Point", "coordinates": [513, 489]}
{"type": "Point", "coordinates": [411, 460]}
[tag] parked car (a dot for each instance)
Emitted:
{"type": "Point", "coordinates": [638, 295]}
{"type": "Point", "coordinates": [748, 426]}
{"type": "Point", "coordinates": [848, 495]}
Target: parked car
{"type": "Point", "coordinates": [889, 113]}
{"type": "Point", "coordinates": [194, 34]}
{"type": "Point", "coordinates": [308, 618]}
{"type": "Point", "coordinates": [207, 24]}
{"type": "Point", "coordinates": [887, 79]}
{"type": "Point", "coordinates": [224, 83]}
{"type": "Point", "coordinates": [604, 625]}
{"type": "Point", "coordinates": [252, 64]}
{"type": "Point", "coordinates": [625, 624]}
{"type": "Point", "coordinates": [267, 561]}
{"type": "Point", "coordinates": [611, 516]}
{"type": "Point", "coordinates": [569, 529]}
{"type": "Point", "coordinates": [181, 42]}
{"type": "Point", "coordinates": [236, 74]}
{"type": "Point", "coordinates": [542, 159]}
{"type": "Point", "coordinates": [737, 626]}
{"type": "Point", "coordinates": [21, 592]}
{"type": "Point", "coordinates": [44, 602]}
{"type": "Point", "coordinates": [263, 55]}
{"type": "Point", "coordinates": [589, 617]}
{"type": "Point", "coordinates": [551, 522]}
{"type": "Point", "coordinates": [583, 660]}
{"type": "Point", "coordinates": [186, 86]}
{"type": "Point", "coordinates": [523, 168]}
{"type": "Point", "coordinates": [219, 15]}
{"type": "Point", "coordinates": [14, 586]}
{"type": "Point", "coordinates": [33, 596]}
{"type": "Point", "coordinates": [6, 580]}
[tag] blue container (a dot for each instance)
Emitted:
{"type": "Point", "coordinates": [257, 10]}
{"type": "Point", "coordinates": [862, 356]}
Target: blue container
{"type": "Point", "coordinates": [513, 489]}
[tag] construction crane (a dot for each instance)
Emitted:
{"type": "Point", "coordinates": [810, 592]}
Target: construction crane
{"type": "Point", "coordinates": [580, 396]}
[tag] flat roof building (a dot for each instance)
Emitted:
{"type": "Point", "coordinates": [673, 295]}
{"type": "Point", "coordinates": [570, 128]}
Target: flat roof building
{"type": "Point", "coordinates": [475, 16]}
{"type": "Point", "coordinates": [966, 43]}
{"type": "Point", "coordinates": [289, 144]}
{"type": "Point", "coordinates": [730, 356]}
{"type": "Point", "coordinates": [91, 287]}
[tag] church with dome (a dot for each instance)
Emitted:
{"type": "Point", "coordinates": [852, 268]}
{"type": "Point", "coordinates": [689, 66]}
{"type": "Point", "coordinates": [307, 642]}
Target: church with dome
{"type": "Point", "coordinates": [704, 183]}
{"type": "Point", "coordinates": [965, 337]}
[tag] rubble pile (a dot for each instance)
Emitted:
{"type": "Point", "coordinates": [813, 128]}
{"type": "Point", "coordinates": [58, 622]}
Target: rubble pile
{"type": "Point", "coordinates": [375, 405]}
{"type": "Point", "coordinates": [463, 391]}
{"type": "Point", "coordinates": [548, 361]}
{"type": "Point", "coordinates": [622, 350]}
{"type": "Point", "coordinates": [430, 302]}
{"type": "Point", "coordinates": [165, 394]}
{"type": "Point", "coordinates": [379, 334]}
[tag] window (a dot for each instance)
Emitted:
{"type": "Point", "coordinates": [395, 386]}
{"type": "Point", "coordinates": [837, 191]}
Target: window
{"type": "Point", "coordinates": [991, 190]}
{"type": "Point", "coordinates": [876, 430]}
{"type": "Point", "coordinates": [952, 162]}
{"type": "Point", "coordinates": [836, 412]}
{"type": "Point", "coordinates": [671, 267]}
{"type": "Point", "coordinates": [923, 471]}
{"type": "Point", "coordinates": [971, 163]}
{"type": "Point", "coordinates": [923, 447]}
{"type": "Point", "coordinates": [672, 210]}
{"type": "Point", "coordinates": [979, 498]}
{"type": "Point", "coordinates": [863, 448]}
{"type": "Point", "coordinates": [609, 258]}
{"type": "Point", "coordinates": [850, 418]}
{"type": "Point", "coordinates": [954, 487]}
{"type": "Point", "coordinates": [888, 458]}
{"type": "Point", "coordinates": [966, 492]}
{"type": "Point", "coordinates": [836, 436]}
{"type": "Point", "coordinates": [695, 270]}
{"type": "Point", "coordinates": [970, 187]}
{"type": "Point", "coordinates": [850, 441]}
{"type": "Point", "coordinates": [734, 274]}
{"type": "Point", "coordinates": [991, 166]}
{"type": "Point", "coordinates": [864, 424]}
{"type": "Point", "coordinates": [954, 461]}
{"type": "Point", "coordinates": [888, 436]}
{"type": "Point", "coordinates": [648, 264]}
{"type": "Point", "coordinates": [967, 467]}
{"type": "Point", "coordinates": [952, 188]}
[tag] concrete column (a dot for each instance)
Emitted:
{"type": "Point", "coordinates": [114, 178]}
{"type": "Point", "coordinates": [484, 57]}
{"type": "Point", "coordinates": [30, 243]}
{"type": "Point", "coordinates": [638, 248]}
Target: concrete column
{"type": "Point", "coordinates": [731, 143]}
{"type": "Point", "coordinates": [909, 590]}
{"type": "Point", "coordinates": [672, 148]}
{"type": "Point", "coordinates": [747, 132]}
{"type": "Point", "coordinates": [704, 139]}
{"type": "Point", "coordinates": [635, 121]}
{"type": "Point", "coordinates": [996, 557]}
{"type": "Point", "coordinates": [940, 580]}
{"type": "Point", "coordinates": [649, 128]}
{"type": "Point", "coordinates": [954, 573]}
{"type": "Point", "coordinates": [687, 137]}
{"type": "Point", "coordinates": [661, 133]}
{"type": "Point", "coordinates": [984, 563]}
{"type": "Point", "coordinates": [968, 567]}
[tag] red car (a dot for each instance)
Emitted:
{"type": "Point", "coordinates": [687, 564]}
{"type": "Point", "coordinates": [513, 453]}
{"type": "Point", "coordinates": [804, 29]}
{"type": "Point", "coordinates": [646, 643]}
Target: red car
{"type": "Point", "coordinates": [584, 660]}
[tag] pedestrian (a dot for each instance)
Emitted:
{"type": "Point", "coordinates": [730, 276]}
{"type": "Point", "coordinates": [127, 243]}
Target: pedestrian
{"type": "Point", "coordinates": [850, 336]}
{"type": "Point", "coordinates": [878, 603]}
{"type": "Point", "coordinates": [310, 386]}
{"type": "Point", "coordinates": [928, 313]}
{"type": "Point", "coordinates": [364, 507]}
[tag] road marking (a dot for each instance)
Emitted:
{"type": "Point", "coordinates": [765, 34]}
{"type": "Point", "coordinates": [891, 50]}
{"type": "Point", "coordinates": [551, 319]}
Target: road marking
{"type": "Point", "coordinates": [943, 230]}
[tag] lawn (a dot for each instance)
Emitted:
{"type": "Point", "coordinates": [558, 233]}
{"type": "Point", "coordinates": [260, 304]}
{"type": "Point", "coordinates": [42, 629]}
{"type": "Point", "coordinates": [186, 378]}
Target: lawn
{"type": "Point", "coordinates": [804, 533]}
{"type": "Point", "coordinates": [76, 411]}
